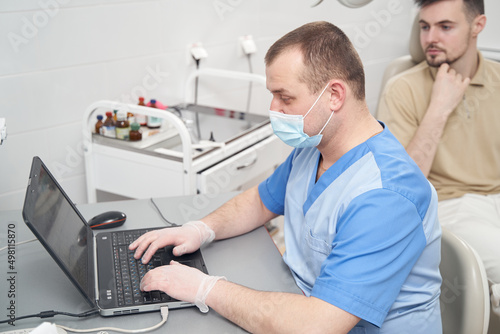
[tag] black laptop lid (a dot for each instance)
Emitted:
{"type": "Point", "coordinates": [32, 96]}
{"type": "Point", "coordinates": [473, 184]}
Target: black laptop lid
{"type": "Point", "coordinates": [60, 227]}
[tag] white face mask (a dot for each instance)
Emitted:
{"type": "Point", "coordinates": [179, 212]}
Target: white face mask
{"type": "Point", "coordinates": [290, 128]}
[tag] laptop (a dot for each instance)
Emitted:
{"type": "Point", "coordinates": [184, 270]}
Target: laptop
{"type": "Point", "coordinates": [100, 266]}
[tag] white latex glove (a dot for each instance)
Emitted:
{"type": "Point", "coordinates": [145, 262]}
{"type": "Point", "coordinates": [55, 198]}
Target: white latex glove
{"type": "Point", "coordinates": [181, 282]}
{"type": "Point", "coordinates": [187, 238]}
{"type": "Point", "coordinates": [206, 234]}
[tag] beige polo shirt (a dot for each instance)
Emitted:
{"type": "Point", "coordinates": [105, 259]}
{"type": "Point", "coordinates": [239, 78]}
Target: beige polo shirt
{"type": "Point", "coordinates": [468, 155]}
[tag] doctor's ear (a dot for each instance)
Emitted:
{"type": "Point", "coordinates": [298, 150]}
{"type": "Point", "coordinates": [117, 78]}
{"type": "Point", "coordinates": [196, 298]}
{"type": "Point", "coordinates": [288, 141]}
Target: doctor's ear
{"type": "Point", "coordinates": [337, 91]}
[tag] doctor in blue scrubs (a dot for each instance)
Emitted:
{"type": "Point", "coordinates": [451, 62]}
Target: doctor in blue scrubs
{"type": "Point", "coordinates": [361, 231]}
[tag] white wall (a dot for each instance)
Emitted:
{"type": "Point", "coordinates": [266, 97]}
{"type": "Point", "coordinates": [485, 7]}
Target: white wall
{"type": "Point", "coordinates": [59, 56]}
{"type": "Point", "coordinates": [488, 40]}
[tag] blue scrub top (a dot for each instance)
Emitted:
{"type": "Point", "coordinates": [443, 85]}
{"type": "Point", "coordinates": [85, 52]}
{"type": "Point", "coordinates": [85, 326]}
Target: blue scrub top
{"type": "Point", "coordinates": [364, 237]}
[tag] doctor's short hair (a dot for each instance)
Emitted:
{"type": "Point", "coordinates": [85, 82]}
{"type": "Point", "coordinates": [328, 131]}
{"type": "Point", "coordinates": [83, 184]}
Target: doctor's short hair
{"type": "Point", "coordinates": [472, 8]}
{"type": "Point", "coordinates": [328, 54]}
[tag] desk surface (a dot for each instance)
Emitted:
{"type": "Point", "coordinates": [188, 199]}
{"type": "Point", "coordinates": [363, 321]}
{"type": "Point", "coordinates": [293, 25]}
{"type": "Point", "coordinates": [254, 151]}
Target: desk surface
{"type": "Point", "coordinates": [39, 285]}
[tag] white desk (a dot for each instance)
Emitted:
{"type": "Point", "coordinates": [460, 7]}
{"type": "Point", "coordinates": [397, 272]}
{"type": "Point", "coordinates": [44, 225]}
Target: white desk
{"type": "Point", "coordinates": [251, 260]}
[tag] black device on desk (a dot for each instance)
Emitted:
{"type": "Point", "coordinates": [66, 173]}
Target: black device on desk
{"type": "Point", "coordinates": [101, 267]}
{"type": "Point", "coordinates": [107, 219]}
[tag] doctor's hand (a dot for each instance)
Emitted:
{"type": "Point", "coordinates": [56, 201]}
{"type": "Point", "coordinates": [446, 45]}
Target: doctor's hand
{"type": "Point", "coordinates": [448, 90]}
{"type": "Point", "coordinates": [187, 238]}
{"type": "Point", "coordinates": [181, 282]}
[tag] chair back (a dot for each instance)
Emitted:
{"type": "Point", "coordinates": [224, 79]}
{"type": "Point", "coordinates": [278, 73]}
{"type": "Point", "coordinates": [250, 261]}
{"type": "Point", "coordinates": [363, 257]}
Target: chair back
{"type": "Point", "coordinates": [403, 63]}
{"type": "Point", "coordinates": [465, 300]}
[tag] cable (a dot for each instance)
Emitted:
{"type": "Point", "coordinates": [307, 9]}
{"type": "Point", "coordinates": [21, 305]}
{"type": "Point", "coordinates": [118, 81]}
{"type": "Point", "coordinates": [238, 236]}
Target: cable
{"type": "Point", "coordinates": [161, 215]}
{"type": "Point", "coordinates": [164, 317]}
{"type": "Point", "coordinates": [18, 243]}
{"type": "Point", "coordinates": [50, 314]}
{"type": "Point", "coordinates": [196, 98]}
{"type": "Point", "coordinates": [250, 84]}
{"type": "Point", "coordinates": [197, 61]}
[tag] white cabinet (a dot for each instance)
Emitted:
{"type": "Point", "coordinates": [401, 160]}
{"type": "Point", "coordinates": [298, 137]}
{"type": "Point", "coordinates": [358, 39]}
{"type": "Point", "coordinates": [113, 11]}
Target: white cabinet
{"type": "Point", "coordinates": [236, 171]}
{"type": "Point", "coordinates": [175, 164]}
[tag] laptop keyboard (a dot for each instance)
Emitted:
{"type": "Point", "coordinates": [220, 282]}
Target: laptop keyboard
{"type": "Point", "coordinates": [129, 271]}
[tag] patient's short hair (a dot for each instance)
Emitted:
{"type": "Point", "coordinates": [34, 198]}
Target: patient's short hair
{"type": "Point", "coordinates": [472, 8]}
{"type": "Point", "coordinates": [327, 54]}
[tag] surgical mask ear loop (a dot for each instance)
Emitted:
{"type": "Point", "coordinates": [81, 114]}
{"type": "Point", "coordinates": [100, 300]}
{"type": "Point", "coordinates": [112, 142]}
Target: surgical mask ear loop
{"type": "Point", "coordinates": [328, 121]}
{"type": "Point", "coordinates": [307, 113]}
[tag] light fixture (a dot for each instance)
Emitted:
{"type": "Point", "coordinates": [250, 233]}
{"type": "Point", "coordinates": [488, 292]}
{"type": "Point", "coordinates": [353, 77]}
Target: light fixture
{"type": "Point", "coordinates": [349, 3]}
{"type": "Point", "coordinates": [354, 3]}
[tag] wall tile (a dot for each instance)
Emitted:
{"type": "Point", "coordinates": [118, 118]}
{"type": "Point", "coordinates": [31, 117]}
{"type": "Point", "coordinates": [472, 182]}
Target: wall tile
{"type": "Point", "coordinates": [39, 100]}
{"type": "Point", "coordinates": [12, 200]}
{"type": "Point", "coordinates": [149, 77]}
{"type": "Point", "coordinates": [19, 45]}
{"type": "Point", "coordinates": [64, 159]}
{"type": "Point", "coordinates": [16, 6]}
{"type": "Point", "coordinates": [82, 35]}
{"type": "Point", "coordinates": [16, 154]}
{"type": "Point", "coordinates": [209, 22]}
{"type": "Point", "coordinates": [74, 188]}
{"type": "Point", "coordinates": [54, 5]}
{"type": "Point", "coordinates": [489, 36]}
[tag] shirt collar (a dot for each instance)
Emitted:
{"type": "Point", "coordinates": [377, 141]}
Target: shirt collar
{"type": "Point", "coordinates": [479, 78]}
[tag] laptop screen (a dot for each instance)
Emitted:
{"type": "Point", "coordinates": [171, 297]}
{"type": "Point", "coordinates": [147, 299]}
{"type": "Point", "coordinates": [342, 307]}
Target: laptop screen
{"type": "Point", "coordinates": [58, 225]}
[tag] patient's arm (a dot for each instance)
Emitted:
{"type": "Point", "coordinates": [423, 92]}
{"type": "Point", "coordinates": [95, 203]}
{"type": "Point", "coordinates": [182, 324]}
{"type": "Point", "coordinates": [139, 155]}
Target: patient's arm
{"type": "Point", "coordinates": [447, 92]}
